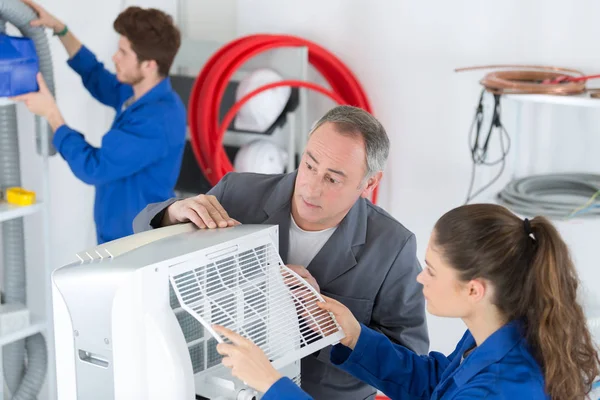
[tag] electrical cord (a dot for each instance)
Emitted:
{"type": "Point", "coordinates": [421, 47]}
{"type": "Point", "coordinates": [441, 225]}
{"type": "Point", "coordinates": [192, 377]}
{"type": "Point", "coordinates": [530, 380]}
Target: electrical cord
{"type": "Point", "coordinates": [554, 195]}
{"type": "Point", "coordinates": [479, 147]}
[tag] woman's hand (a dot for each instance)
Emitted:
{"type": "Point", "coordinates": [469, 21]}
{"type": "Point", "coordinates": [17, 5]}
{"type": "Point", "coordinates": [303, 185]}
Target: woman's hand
{"type": "Point", "coordinates": [345, 319]}
{"type": "Point", "coordinates": [246, 360]}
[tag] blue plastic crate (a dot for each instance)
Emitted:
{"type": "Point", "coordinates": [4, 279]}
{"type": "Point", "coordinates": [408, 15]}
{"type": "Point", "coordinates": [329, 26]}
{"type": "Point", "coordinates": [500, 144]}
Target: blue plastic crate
{"type": "Point", "coordinates": [18, 66]}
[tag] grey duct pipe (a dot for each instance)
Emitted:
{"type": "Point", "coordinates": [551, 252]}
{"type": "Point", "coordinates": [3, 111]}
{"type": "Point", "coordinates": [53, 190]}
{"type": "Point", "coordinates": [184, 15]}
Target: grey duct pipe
{"type": "Point", "coordinates": [23, 382]}
{"type": "Point", "coordinates": [37, 363]}
{"type": "Point", "coordinates": [12, 244]}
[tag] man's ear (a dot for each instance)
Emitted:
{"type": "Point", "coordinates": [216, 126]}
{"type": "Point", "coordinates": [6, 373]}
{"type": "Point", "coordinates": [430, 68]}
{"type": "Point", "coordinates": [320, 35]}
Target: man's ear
{"type": "Point", "coordinates": [371, 184]}
{"type": "Point", "coordinates": [150, 66]}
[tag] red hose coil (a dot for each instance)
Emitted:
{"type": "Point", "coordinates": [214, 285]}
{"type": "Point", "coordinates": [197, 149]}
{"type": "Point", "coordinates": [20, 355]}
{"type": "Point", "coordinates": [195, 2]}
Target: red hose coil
{"type": "Point", "coordinates": [209, 88]}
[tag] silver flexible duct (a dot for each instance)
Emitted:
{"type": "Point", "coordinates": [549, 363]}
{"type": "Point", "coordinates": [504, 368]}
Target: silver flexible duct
{"type": "Point", "coordinates": [12, 244]}
{"type": "Point", "coordinates": [24, 383]}
{"type": "Point", "coordinates": [37, 364]}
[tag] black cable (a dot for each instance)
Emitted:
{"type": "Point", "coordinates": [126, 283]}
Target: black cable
{"type": "Point", "coordinates": [479, 153]}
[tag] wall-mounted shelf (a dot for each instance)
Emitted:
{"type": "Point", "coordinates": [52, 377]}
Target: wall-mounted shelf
{"type": "Point", "coordinates": [583, 100]}
{"type": "Point", "coordinates": [9, 211]}
{"type": "Point", "coordinates": [37, 325]}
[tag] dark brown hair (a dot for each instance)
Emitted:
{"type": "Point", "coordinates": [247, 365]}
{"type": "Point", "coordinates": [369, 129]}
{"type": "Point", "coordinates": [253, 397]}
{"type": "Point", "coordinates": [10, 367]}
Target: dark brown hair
{"type": "Point", "coordinates": [152, 34]}
{"type": "Point", "coordinates": [535, 282]}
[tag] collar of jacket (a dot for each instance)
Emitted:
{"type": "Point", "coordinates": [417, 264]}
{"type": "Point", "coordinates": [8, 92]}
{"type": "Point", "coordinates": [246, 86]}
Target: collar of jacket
{"type": "Point", "coordinates": [351, 232]}
{"type": "Point", "coordinates": [492, 350]}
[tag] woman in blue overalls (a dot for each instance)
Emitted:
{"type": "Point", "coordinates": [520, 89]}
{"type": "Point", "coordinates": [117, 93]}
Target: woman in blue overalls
{"type": "Point", "coordinates": [513, 284]}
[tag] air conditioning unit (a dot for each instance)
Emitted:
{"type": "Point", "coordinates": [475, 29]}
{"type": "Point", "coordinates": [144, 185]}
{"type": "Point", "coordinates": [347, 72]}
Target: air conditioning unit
{"type": "Point", "coordinates": [133, 317]}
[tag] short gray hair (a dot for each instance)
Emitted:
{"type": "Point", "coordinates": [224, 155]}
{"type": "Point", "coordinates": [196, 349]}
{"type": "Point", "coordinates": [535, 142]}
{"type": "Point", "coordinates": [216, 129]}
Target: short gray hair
{"type": "Point", "coordinates": [356, 121]}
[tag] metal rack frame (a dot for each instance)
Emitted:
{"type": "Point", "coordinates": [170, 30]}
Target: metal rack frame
{"type": "Point", "coordinates": [38, 323]}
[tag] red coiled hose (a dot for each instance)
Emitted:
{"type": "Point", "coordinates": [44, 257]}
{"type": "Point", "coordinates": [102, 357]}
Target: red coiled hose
{"type": "Point", "coordinates": [209, 88]}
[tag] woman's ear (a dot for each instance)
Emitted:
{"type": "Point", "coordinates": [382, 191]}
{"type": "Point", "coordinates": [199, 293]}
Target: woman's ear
{"type": "Point", "coordinates": [477, 289]}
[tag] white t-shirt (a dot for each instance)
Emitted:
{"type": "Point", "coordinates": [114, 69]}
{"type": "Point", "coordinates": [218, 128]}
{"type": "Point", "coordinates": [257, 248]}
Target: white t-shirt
{"type": "Point", "coordinates": [304, 245]}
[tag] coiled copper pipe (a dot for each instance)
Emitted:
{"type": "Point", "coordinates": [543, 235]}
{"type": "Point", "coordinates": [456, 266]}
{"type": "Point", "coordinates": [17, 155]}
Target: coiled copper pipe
{"type": "Point", "coordinates": [527, 79]}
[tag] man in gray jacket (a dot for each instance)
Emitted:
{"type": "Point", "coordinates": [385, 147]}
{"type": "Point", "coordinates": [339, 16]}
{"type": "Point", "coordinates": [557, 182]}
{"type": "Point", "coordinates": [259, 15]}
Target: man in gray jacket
{"type": "Point", "coordinates": [330, 234]}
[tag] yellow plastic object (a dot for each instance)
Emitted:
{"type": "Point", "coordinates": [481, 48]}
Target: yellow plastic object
{"type": "Point", "coordinates": [19, 196]}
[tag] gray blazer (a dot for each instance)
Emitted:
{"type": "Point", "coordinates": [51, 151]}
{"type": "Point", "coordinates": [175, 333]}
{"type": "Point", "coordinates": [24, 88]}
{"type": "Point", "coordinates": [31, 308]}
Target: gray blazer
{"type": "Point", "coordinates": [369, 264]}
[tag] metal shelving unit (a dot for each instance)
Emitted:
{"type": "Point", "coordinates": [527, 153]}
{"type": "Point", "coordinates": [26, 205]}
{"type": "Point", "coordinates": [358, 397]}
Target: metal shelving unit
{"type": "Point", "coordinates": [289, 62]}
{"type": "Point", "coordinates": [580, 234]}
{"type": "Point", "coordinates": [38, 323]}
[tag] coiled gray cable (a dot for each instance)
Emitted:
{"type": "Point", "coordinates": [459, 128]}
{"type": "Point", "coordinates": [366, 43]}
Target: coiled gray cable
{"type": "Point", "coordinates": [553, 195]}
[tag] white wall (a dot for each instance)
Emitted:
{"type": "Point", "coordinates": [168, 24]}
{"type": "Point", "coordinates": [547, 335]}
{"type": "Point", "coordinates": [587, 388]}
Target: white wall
{"type": "Point", "coordinates": [199, 19]}
{"type": "Point", "coordinates": [209, 19]}
{"type": "Point", "coordinates": [404, 53]}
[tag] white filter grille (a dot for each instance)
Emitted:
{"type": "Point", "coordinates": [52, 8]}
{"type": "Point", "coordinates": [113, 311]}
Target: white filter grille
{"type": "Point", "coordinates": [297, 379]}
{"type": "Point", "coordinates": [247, 288]}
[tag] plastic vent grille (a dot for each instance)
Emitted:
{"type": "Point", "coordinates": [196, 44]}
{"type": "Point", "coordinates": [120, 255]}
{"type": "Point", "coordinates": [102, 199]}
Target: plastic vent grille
{"type": "Point", "coordinates": [247, 288]}
{"type": "Point", "coordinates": [297, 379]}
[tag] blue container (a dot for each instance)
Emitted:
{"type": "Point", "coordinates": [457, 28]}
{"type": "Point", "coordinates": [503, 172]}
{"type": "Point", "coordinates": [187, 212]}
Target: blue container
{"type": "Point", "coordinates": [18, 66]}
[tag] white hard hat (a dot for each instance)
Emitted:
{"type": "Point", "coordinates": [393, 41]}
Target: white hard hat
{"type": "Point", "coordinates": [260, 156]}
{"type": "Point", "coordinates": [260, 112]}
